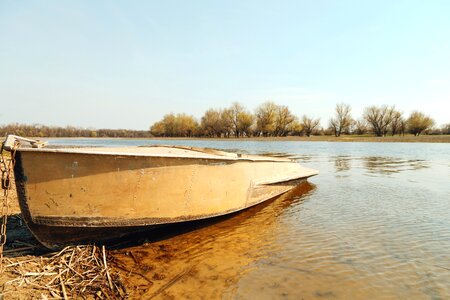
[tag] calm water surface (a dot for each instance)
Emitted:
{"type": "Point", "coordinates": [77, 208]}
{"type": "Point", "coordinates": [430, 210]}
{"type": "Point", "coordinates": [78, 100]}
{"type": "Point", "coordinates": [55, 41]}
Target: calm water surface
{"type": "Point", "coordinates": [375, 223]}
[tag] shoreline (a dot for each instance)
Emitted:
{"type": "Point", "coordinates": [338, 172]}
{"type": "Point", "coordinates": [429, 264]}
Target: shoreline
{"type": "Point", "coordinates": [344, 138]}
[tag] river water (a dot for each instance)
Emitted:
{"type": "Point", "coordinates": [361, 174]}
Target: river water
{"type": "Point", "coordinates": [375, 223]}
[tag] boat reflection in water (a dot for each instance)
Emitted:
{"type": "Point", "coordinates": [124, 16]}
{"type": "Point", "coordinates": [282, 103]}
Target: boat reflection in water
{"type": "Point", "coordinates": [215, 253]}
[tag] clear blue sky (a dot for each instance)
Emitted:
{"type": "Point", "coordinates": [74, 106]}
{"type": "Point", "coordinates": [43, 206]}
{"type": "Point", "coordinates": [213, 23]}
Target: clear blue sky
{"type": "Point", "coordinates": [124, 64]}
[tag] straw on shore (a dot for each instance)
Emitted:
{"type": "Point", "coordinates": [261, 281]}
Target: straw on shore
{"type": "Point", "coordinates": [72, 272]}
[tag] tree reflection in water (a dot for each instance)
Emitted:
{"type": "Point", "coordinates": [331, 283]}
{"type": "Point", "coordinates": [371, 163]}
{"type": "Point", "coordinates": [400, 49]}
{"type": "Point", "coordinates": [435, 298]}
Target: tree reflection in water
{"type": "Point", "coordinates": [342, 163]}
{"type": "Point", "coordinates": [389, 165]}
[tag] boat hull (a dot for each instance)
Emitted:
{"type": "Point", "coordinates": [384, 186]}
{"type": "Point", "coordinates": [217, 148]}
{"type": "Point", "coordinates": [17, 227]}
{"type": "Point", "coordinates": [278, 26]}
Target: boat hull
{"type": "Point", "coordinates": [67, 197]}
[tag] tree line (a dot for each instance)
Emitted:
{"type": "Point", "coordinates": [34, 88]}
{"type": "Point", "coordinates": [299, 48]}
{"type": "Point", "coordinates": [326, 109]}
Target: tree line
{"type": "Point", "coordinates": [267, 120]}
{"type": "Point", "coordinates": [380, 121]}
{"type": "Point", "coordinates": [37, 130]}
{"type": "Point", "coordinates": [272, 120]}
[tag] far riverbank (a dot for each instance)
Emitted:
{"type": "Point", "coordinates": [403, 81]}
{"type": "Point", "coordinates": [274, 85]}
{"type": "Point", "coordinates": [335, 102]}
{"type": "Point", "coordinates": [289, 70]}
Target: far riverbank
{"type": "Point", "coordinates": [319, 138]}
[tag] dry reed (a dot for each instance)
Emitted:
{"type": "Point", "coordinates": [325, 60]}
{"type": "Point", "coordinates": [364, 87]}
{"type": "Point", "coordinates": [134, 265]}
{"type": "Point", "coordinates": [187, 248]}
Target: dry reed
{"type": "Point", "coordinates": [75, 271]}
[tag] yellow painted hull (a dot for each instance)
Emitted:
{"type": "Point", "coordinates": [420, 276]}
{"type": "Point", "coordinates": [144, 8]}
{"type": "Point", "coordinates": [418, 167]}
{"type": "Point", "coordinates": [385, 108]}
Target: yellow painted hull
{"type": "Point", "coordinates": [62, 192]}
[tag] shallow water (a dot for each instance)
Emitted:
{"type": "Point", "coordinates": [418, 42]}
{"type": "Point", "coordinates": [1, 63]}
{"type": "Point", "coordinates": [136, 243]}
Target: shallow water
{"type": "Point", "coordinates": [375, 223]}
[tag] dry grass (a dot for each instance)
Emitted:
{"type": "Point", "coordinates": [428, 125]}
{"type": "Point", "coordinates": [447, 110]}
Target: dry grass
{"type": "Point", "coordinates": [75, 271]}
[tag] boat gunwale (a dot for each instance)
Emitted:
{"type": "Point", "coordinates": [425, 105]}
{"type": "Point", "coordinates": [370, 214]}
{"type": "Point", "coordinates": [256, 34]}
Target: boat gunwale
{"type": "Point", "coordinates": [207, 156]}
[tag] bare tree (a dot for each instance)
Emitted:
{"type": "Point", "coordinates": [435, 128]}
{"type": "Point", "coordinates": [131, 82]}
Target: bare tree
{"type": "Point", "coordinates": [236, 120]}
{"type": "Point", "coordinates": [396, 122]}
{"type": "Point", "coordinates": [227, 122]}
{"type": "Point", "coordinates": [169, 125]}
{"type": "Point", "coordinates": [309, 124]}
{"type": "Point", "coordinates": [265, 118]}
{"type": "Point", "coordinates": [175, 125]}
{"type": "Point", "coordinates": [187, 126]}
{"type": "Point", "coordinates": [158, 129]}
{"type": "Point", "coordinates": [283, 119]}
{"type": "Point", "coordinates": [342, 119]}
{"type": "Point", "coordinates": [295, 128]}
{"type": "Point", "coordinates": [379, 118]}
{"type": "Point", "coordinates": [419, 122]}
{"type": "Point", "coordinates": [360, 126]}
{"type": "Point", "coordinates": [245, 122]}
{"type": "Point", "coordinates": [403, 126]}
{"type": "Point", "coordinates": [236, 109]}
{"type": "Point", "coordinates": [211, 123]}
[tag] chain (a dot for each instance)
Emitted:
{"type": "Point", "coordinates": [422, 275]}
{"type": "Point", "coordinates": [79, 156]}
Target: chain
{"type": "Point", "coordinates": [7, 167]}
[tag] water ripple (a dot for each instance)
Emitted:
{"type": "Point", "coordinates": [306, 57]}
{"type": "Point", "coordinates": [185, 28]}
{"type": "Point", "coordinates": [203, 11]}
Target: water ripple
{"type": "Point", "coordinates": [374, 224]}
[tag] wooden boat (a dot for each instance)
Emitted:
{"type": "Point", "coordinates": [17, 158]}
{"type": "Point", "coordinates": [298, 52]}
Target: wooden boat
{"type": "Point", "coordinates": [89, 194]}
